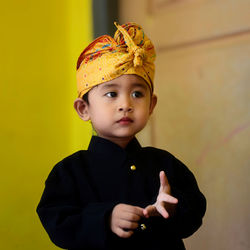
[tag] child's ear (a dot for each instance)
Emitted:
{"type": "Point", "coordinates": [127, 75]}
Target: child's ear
{"type": "Point", "coordinates": [82, 109]}
{"type": "Point", "coordinates": [152, 104]}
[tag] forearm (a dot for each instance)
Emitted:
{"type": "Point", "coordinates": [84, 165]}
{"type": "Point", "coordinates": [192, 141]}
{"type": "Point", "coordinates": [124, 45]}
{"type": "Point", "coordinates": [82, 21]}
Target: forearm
{"type": "Point", "coordinates": [189, 213]}
{"type": "Point", "coordinates": [75, 227]}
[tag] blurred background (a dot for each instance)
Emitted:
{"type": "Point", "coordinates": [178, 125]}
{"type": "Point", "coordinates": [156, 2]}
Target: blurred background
{"type": "Point", "coordinates": [202, 116]}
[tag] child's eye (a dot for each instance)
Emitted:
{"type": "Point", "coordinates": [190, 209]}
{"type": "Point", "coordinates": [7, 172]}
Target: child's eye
{"type": "Point", "coordinates": [137, 94]}
{"type": "Point", "coordinates": [111, 94]}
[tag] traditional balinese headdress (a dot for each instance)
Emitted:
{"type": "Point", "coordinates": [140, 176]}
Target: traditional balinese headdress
{"type": "Point", "coordinates": [106, 58]}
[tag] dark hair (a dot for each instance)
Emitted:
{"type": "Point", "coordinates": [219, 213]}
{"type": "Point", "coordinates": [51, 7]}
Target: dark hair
{"type": "Point", "coordinates": [86, 98]}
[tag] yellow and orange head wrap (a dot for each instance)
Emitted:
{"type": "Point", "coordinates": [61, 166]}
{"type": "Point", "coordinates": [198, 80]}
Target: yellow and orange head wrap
{"type": "Point", "coordinates": [106, 58]}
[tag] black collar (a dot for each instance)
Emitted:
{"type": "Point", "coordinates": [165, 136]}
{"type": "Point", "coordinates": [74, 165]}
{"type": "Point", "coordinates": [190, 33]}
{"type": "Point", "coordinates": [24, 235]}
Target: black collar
{"type": "Point", "coordinates": [105, 149]}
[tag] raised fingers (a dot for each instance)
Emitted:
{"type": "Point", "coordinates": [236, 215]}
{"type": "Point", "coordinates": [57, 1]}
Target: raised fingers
{"type": "Point", "coordinates": [163, 197]}
{"type": "Point", "coordinates": [165, 187]}
{"type": "Point", "coordinates": [162, 211]}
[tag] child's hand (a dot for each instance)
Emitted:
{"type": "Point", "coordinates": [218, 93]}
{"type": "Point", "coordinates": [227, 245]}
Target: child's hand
{"type": "Point", "coordinates": [165, 203]}
{"type": "Point", "coordinates": [124, 219]}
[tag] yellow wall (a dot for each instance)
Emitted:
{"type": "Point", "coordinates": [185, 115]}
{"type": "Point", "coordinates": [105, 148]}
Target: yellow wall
{"type": "Point", "coordinates": [40, 42]}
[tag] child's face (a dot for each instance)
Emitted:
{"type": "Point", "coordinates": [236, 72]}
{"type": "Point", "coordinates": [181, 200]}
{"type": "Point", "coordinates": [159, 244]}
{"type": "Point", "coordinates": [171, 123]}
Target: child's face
{"type": "Point", "coordinates": [120, 108]}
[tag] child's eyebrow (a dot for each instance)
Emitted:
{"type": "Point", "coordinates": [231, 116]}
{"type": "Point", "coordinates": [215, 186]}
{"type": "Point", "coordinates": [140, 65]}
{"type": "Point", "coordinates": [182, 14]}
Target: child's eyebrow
{"type": "Point", "coordinates": [110, 85]}
{"type": "Point", "coordinates": [140, 85]}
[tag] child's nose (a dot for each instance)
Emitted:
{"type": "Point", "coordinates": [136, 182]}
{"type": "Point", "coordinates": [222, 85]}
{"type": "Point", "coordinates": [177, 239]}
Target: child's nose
{"type": "Point", "coordinates": [128, 109]}
{"type": "Point", "coordinates": [125, 105]}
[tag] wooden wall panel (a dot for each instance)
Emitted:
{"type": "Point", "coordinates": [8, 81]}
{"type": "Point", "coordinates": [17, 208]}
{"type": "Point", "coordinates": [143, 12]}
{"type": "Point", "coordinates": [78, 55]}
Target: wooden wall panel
{"type": "Point", "coordinates": [203, 118]}
{"type": "Point", "coordinates": [195, 20]}
{"type": "Point", "coordinates": [202, 115]}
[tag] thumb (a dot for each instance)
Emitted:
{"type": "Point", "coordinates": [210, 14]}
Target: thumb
{"type": "Point", "coordinates": [149, 211]}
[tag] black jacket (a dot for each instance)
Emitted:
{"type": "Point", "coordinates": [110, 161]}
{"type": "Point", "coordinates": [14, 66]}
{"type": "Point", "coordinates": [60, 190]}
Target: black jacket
{"type": "Point", "coordinates": [82, 190]}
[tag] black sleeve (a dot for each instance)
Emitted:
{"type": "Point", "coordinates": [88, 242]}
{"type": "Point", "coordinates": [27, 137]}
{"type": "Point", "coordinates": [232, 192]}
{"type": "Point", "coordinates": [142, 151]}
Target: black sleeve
{"type": "Point", "coordinates": [191, 205]}
{"type": "Point", "coordinates": [69, 222]}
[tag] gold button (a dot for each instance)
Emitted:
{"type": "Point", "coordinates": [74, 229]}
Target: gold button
{"type": "Point", "coordinates": [143, 227]}
{"type": "Point", "coordinates": [133, 167]}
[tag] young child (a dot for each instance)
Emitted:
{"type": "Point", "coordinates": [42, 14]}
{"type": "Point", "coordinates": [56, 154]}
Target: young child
{"type": "Point", "coordinates": [117, 194]}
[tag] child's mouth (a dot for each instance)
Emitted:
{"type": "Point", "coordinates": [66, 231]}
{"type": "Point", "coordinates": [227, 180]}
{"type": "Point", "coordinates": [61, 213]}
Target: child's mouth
{"type": "Point", "coordinates": [125, 120]}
